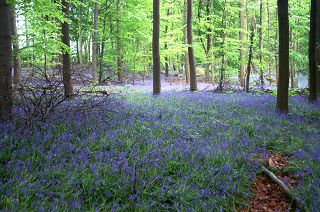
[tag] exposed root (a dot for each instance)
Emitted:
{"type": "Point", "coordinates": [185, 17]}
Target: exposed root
{"type": "Point", "coordinates": [284, 187]}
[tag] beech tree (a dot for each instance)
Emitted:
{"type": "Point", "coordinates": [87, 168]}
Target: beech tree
{"type": "Point", "coordinates": [241, 39]}
{"type": "Point", "coordinates": [156, 48]}
{"type": "Point", "coordinates": [95, 42]}
{"type": "Point", "coordinates": [317, 47]}
{"type": "Point", "coordinates": [66, 69]}
{"type": "Point", "coordinates": [16, 57]}
{"type": "Point", "coordinates": [312, 51]}
{"type": "Point", "coordinates": [5, 61]}
{"type": "Point", "coordinates": [283, 82]}
{"type": "Point", "coordinates": [193, 75]}
{"type": "Point", "coordinates": [250, 54]}
{"type": "Point", "coordinates": [185, 41]}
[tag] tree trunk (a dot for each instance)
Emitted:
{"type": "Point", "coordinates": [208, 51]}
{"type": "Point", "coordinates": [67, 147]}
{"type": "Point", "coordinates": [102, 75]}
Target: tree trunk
{"type": "Point", "coordinates": [269, 58]}
{"type": "Point", "coordinates": [318, 48]}
{"type": "Point", "coordinates": [186, 55]}
{"type": "Point", "coordinates": [223, 25]}
{"type": "Point", "coordinates": [66, 70]}
{"type": "Point", "coordinates": [261, 46]}
{"type": "Point", "coordinates": [5, 62]}
{"type": "Point", "coordinates": [166, 48]}
{"type": "Point", "coordinates": [283, 83]}
{"type": "Point", "coordinates": [291, 42]}
{"type": "Point", "coordinates": [80, 58]}
{"type": "Point", "coordinates": [312, 50]}
{"type": "Point", "coordinates": [209, 40]}
{"type": "Point", "coordinates": [241, 38]}
{"type": "Point", "coordinates": [103, 41]}
{"type": "Point", "coordinates": [250, 54]}
{"type": "Point", "coordinates": [95, 42]}
{"type": "Point", "coordinates": [16, 58]}
{"type": "Point", "coordinates": [193, 75]}
{"type": "Point", "coordinates": [276, 56]}
{"type": "Point", "coordinates": [119, 50]}
{"type": "Point", "coordinates": [155, 47]}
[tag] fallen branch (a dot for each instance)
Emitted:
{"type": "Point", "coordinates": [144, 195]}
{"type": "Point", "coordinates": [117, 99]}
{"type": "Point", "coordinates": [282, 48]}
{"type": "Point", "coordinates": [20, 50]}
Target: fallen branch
{"type": "Point", "coordinates": [106, 93]}
{"type": "Point", "coordinates": [299, 203]}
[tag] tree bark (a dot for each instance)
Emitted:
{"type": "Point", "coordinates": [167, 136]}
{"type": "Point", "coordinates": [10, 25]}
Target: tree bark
{"type": "Point", "coordinates": [5, 62]}
{"type": "Point", "coordinates": [312, 50]}
{"type": "Point", "coordinates": [261, 45]}
{"type": "Point", "coordinates": [66, 69]}
{"type": "Point", "coordinates": [95, 42]}
{"type": "Point", "coordinates": [223, 35]}
{"type": "Point", "coordinates": [241, 38]}
{"type": "Point", "coordinates": [119, 50]}
{"type": "Point", "coordinates": [80, 53]}
{"type": "Point", "coordinates": [166, 48]}
{"type": "Point", "coordinates": [283, 82]}
{"type": "Point", "coordinates": [103, 40]}
{"type": "Point", "coordinates": [16, 58]}
{"type": "Point", "coordinates": [186, 55]}
{"type": "Point", "coordinates": [269, 58]}
{"type": "Point", "coordinates": [318, 48]}
{"type": "Point", "coordinates": [156, 48]}
{"type": "Point", "coordinates": [209, 40]}
{"type": "Point", "coordinates": [193, 75]}
{"type": "Point", "coordinates": [250, 54]}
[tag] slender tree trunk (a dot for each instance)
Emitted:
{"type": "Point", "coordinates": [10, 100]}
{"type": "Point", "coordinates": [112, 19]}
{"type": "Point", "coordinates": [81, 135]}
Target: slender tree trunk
{"type": "Point", "coordinates": [241, 38]}
{"type": "Point", "coordinates": [250, 54]}
{"type": "Point", "coordinates": [269, 60]}
{"type": "Point", "coordinates": [261, 45]}
{"type": "Point", "coordinates": [291, 70]}
{"type": "Point", "coordinates": [26, 31]}
{"type": "Point", "coordinates": [16, 58]}
{"type": "Point", "coordinates": [312, 50]}
{"type": "Point", "coordinates": [193, 75]}
{"type": "Point", "coordinates": [119, 49]}
{"type": "Point", "coordinates": [223, 25]}
{"type": "Point", "coordinates": [166, 48]}
{"type": "Point", "coordinates": [5, 62]}
{"type": "Point", "coordinates": [318, 48]}
{"type": "Point", "coordinates": [209, 40]}
{"type": "Point", "coordinates": [66, 69]}
{"type": "Point", "coordinates": [80, 56]}
{"type": "Point", "coordinates": [283, 83]}
{"type": "Point", "coordinates": [95, 42]}
{"type": "Point", "coordinates": [186, 55]}
{"type": "Point", "coordinates": [103, 41]}
{"type": "Point", "coordinates": [156, 48]}
{"type": "Point", "coordinates": [276, 55]}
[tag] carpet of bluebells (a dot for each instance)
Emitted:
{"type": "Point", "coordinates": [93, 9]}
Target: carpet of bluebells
{"type": "Point", "coordinates": [176, 151]}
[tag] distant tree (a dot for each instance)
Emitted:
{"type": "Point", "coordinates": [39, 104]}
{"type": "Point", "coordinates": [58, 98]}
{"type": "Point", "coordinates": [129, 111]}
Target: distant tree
{"type": "Point", "coordinates": [166, 62]}
{"type": "Point", "coordinates": [193, 75]}
{"type": "Point", "coordinates": [80, 34]}
{"type": "Point", "coordinates": [119, 45]}
{"type": "Point", "coordinates": [156, 48]}
{"type": "Point", "coordinates": [16, 58]}
{"type": "Point", "coordinates": [223, 45]}
{"type": "Point", "coordinates": [66, 69]}
{"type": "Point", "coordinates": [250, 54]}
{"type": "Point", "coordinates": [5, 61]}
{"type": "Point", "coordinates": [261, 45]}
{"type": "Point", "coordinates": [283, 82]}
{"type": "Point", "coordinates": [185, 40]}
{"type": "Point", "coordinates": [95, 42]}
{"type": "Point", "coordinates": [312, 50]}
{"type": "Point", "coordinates": [241, 38]}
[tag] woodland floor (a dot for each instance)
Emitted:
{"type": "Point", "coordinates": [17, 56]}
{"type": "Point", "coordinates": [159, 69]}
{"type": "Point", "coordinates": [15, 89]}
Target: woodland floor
{"type": "Point", "coordinates": [180, 150]}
